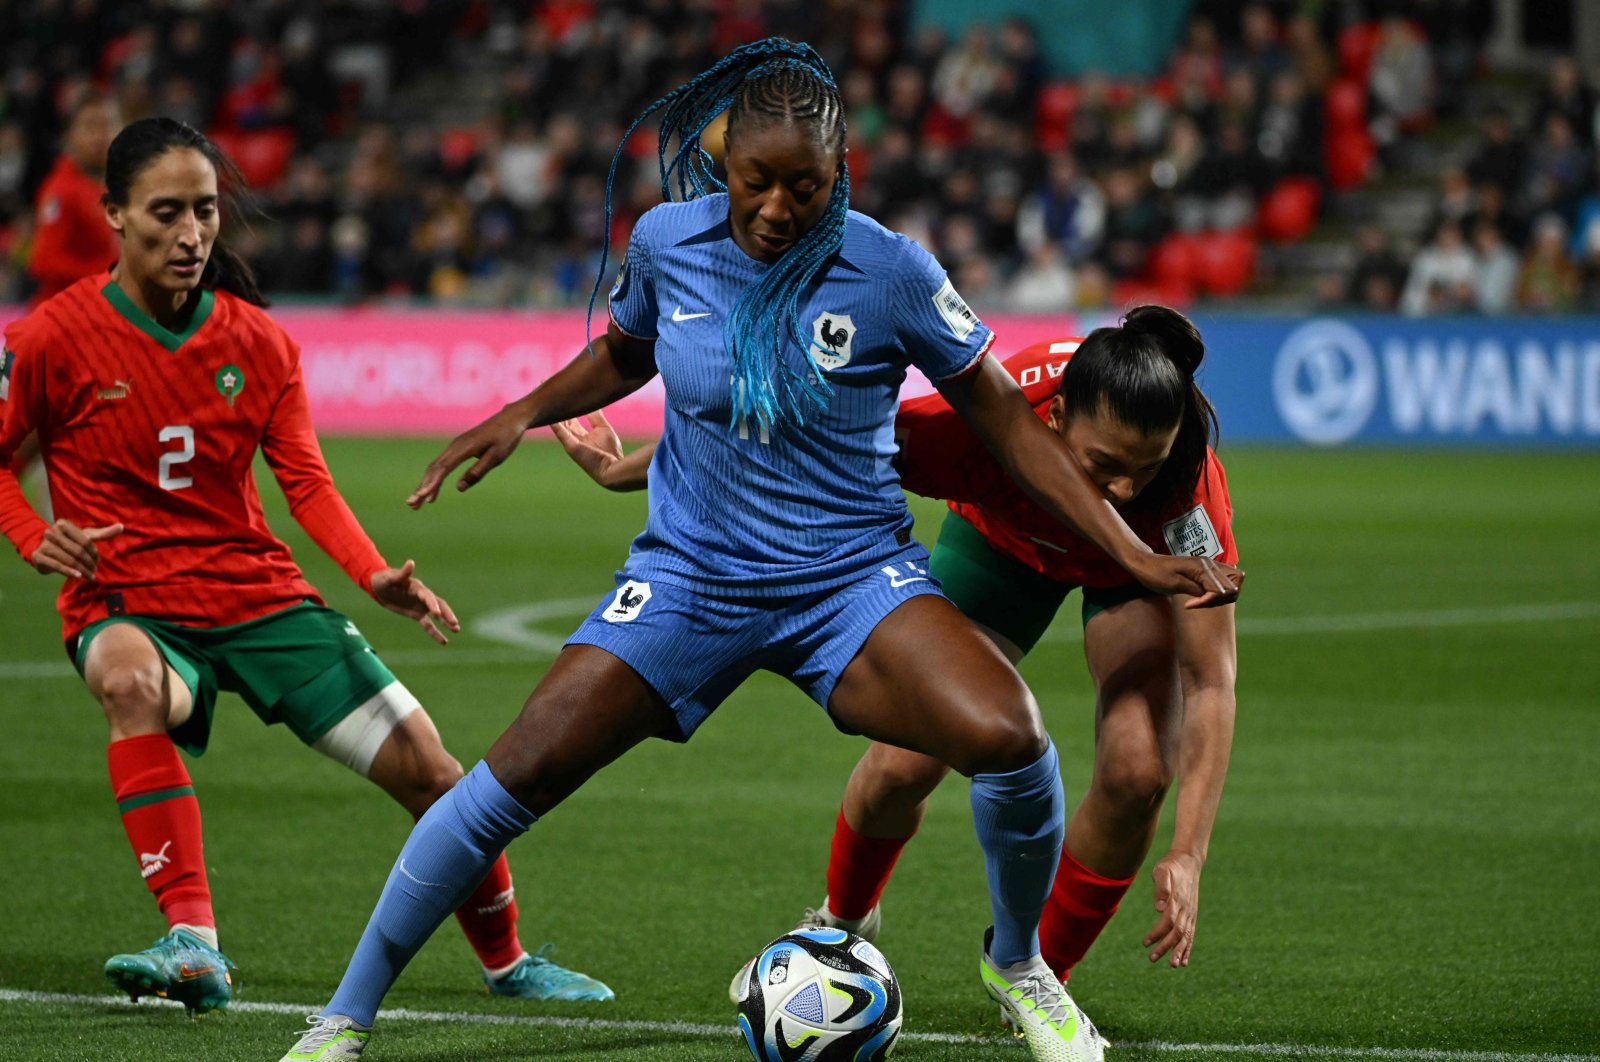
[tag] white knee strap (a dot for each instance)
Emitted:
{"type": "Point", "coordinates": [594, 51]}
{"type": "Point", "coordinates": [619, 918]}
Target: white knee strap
{"type": "Point", "coordinates": [356, 738]}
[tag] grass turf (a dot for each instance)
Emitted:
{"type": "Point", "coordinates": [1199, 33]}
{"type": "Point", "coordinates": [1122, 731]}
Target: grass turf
{"type": "Point", "coordinates": [1405, 858]}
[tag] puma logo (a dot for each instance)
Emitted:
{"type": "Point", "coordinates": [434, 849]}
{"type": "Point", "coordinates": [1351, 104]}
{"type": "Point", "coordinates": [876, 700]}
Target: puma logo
{"type": "Point", "coordinates": [118, 389]}
{"type": "Point", "coordinates": [154, 862]}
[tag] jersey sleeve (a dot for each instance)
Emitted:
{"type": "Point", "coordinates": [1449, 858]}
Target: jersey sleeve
{"type": "Point", "coordinates": [632, 301]}
{"type": "Point", "coordinates": [22, 408]}
{"type": "Point", "coordinates": [1205, 527]}
{"type": "Point", "coordinates": [939, 331]}
{"type": "Point", "coordinates": [290, 446]}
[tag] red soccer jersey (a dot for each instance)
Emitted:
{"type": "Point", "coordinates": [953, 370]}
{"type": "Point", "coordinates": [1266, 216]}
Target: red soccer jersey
{"type": "Point", "coordinates": [71, 239]}
{"type": "Point", "coordinates": [942, 458]}
{"type": "Point", "coordinates": [157, 431]}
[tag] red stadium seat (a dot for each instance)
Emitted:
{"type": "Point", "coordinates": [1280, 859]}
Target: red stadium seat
{"type": "Point", "coordinates": [1052, 115]}
{"type": "Point", "coordinates": [1356, 46]}
{"type": "Point", "coordinates": [262, 156]}
{"type": "Point", "coordinates": [1227, 262]}
{"type": "Point", "coordinates": [1346, 105]}
{"type": "Point", "coordinates": [1347, 155]}
{"type": "Point", "coordinates": [1290, 209]}
{"type": "Point", "coordinates": [1175, 261]}
{"type": "Point", "coordinates": [457, 148]}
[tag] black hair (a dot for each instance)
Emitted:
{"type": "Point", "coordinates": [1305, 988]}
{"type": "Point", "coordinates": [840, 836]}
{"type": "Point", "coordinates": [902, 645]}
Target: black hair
{"type": "Point", "coordinates": [142, 142]}
{"type": "Point", "coordinates": [771, 80]}
{"type": "Point", "coordinates": [1142, 374]}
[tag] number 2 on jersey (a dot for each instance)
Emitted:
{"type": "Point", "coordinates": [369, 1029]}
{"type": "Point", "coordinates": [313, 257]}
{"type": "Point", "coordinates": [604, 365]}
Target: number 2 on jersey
{"type": "Point", "coordinates": [185, 436]}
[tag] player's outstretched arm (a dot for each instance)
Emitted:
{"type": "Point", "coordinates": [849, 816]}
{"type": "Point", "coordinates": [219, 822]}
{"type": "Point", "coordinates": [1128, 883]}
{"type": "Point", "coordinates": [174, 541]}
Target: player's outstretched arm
{"type": "Point", "coordinates": [1037, 459]}
{"type": "Point", "coordinates": [398, 590]}
{"type": "Point", "coordinates": [597, 449]}
{"type": "Point", "coordinates": [1207, 663]}
{"type": "Point", "coordinates": [619, 365]}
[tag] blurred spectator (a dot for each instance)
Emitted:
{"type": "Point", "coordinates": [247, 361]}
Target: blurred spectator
{"type": "Point", "coordinates": [1289, 131]}
{"type": "Point", "coordinates": [1134, 223]}
{"type": "Point", "coordinates": [1379, 274]}
{"type": "Point", "coordinates": [1496, 286]}
{"type": "Point", "coordinates": [1456, 198]}
{"type": "Point", "coordinates": [1068, 210]}
{"type": "Point", "coordinates": [71, 239]}
{"type": "Point", "coordinates": [965, 78]}
{"type": "Point", "coordinates": [1261, 55]}
{"type": "Point", "coordinates": [1312, 59]}
{"type": "Point", "coordinates": [1501, 156]}
{"type": "Point", "coordinates": [1044, 284]}
{"type": "Point", "coordinates": [1557, 167]}
{"type": "Point", "coordinates": [1457, 31]}
{"type": "Point", "coordinates": [1549, 281]}
{"type": "Point", "coordinates": [1400, 81]}
{"type": "Point", "coordinates": [1568, 94]}
{"type": "Point", "coordinates": [1442, 275]}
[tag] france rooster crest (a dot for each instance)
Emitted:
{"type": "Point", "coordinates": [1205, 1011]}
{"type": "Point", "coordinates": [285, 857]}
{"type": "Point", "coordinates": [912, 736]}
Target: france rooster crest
{"type": "Point", "coordinates": [631, 597]}
{"type": "Point", "coordinates": [831, 335]}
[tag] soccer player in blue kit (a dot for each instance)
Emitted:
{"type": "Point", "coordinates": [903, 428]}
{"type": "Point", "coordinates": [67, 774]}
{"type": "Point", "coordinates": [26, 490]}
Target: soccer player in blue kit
{"type": "Point", "coordinates": [778, 538]}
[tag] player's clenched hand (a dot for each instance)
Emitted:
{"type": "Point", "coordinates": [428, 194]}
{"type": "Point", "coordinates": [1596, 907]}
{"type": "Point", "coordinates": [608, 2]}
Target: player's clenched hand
{"type": "Point", "coordinates": [1177, 881]}
{"type": "Point", "coordinates": [1206, 582]}
{"type": "Point", "coordinates": [490, 442]}
{"type": "Point", "coordinates": [595, 449]}
{"type": "Point", "coordinates": [70, 550]}
{"type": "Point", "coordinates": [397, 590]}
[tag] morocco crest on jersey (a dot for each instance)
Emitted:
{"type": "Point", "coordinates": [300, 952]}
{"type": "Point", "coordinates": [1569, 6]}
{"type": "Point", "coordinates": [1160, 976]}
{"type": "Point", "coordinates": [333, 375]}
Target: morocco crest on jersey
{"type": "Point", "coordinates": [830, 340]}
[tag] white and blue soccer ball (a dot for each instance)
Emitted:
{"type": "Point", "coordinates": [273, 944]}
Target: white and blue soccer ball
{"type": "Point", "coordinates": [819, 995]}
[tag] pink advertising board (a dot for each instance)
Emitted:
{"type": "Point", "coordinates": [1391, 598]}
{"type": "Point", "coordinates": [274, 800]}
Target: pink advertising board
{"type": "Point", "coordinates": [384, 371]}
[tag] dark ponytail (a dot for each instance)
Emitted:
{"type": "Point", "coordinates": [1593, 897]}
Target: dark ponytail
{"type": "Point", "coordinates": [1142, 373]}
{"type": "Point", "coordinates": [140, 144]}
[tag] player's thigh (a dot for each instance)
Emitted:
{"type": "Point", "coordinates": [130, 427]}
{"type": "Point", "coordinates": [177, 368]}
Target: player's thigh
{"type": "Point", "coordinates": [412, 765]}
{"type": "Point", "coordinates": [589, 709]}
{"type": "Point", "coordinates": [928, 681]}
{"type": "Point", "coordinates": [128, 674]}
{"type": "Point", "coordinates": [1131, 650]}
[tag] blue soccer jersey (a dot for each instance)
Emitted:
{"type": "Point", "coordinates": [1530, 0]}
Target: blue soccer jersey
{"type": "Point", "coordinates": [734, 508]}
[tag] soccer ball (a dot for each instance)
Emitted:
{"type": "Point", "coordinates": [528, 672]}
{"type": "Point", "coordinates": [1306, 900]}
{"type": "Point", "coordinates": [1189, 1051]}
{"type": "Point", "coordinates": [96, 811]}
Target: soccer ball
{"type": "Point", "coordinates": [819, 995]}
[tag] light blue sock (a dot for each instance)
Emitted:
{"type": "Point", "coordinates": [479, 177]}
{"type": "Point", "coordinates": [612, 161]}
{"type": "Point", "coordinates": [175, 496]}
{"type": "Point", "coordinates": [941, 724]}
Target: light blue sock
{"type": "Point", "coordinates": [1020, 818]}
{"type": "Point", "coordinates": [448, 853]}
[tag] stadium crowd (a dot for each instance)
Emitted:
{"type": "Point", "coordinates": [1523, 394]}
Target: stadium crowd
{"type": "Point", "coordinates": [1037, 192]}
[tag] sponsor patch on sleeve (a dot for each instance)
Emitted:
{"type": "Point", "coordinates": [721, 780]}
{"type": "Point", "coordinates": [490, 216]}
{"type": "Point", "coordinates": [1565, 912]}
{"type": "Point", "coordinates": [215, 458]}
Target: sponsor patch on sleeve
{"type": "Point", "coordinates": [6, 358]}
{"type": "Point", "coordinates": [1192, 535]}
{"type": "Point", "coordinates": [955, 311]}
{"type": "Point", "coordinates": [622, 281]}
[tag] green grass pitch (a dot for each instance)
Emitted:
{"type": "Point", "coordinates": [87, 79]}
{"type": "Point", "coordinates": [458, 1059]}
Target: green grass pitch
{"type": "Point", "coordinates": [1406, 860]}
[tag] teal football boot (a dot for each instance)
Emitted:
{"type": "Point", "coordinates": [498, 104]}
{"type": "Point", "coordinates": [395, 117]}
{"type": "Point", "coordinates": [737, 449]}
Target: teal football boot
{"type": "Point", "coordinates": [536, 977]}
{"type": "Point", "coordinates": [180, 966]}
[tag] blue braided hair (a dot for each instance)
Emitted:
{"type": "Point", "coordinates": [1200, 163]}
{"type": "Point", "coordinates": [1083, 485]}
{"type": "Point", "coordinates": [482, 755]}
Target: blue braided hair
{"type": "Point", "coordinates": [776, 80]}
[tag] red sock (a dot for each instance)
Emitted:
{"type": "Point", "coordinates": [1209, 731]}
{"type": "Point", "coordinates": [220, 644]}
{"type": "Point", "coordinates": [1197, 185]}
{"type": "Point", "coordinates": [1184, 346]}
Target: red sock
{"type": "Point", "coordinates": [1081, 903]}
{"type": "Point", "coordinates": [162, 819]}
{"type": "Point", "coordinates": [858, 869]}
{"type": "Point", "coordinates": [489, 919]}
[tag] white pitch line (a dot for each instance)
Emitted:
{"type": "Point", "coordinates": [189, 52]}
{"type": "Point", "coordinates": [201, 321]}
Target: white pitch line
{"type": "Point", "coordinates": [681, 1028]}
{"type": "Point", "coordinates": [524, 645]}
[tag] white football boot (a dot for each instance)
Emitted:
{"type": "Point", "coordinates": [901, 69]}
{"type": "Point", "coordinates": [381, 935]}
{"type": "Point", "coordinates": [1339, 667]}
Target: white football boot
{"type": "Point", "coordinates": [329, 1039]}
{"type": "Point", "coordinates": [1038, 1009]}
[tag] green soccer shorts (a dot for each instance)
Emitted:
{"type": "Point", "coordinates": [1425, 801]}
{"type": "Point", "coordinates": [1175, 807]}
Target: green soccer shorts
{"type": "Point", "coordinates": [306, 666]}
{"type": "Point", "coordinates": [1004, 594]}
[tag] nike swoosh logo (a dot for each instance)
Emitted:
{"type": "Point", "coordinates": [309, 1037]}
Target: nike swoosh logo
{"type": "Point", "coordinates": [901, 582]}
{"type": "Point", "coordinates": [679, 315]}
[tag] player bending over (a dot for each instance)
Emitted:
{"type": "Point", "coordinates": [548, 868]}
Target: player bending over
{"type": "Point", "coordinates": [1126, 403]}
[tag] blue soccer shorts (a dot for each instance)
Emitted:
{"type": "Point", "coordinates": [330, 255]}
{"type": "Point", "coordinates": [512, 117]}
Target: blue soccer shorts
{"type": "Point", "coordinates": [695, 648]}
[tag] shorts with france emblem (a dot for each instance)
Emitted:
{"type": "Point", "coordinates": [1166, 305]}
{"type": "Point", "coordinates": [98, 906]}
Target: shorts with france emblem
{"type": "Point", "coordinates": [694, 648]}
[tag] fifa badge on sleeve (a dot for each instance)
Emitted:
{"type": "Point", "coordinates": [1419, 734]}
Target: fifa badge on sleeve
{"type": "Point", "coordinates": [6, 358]}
